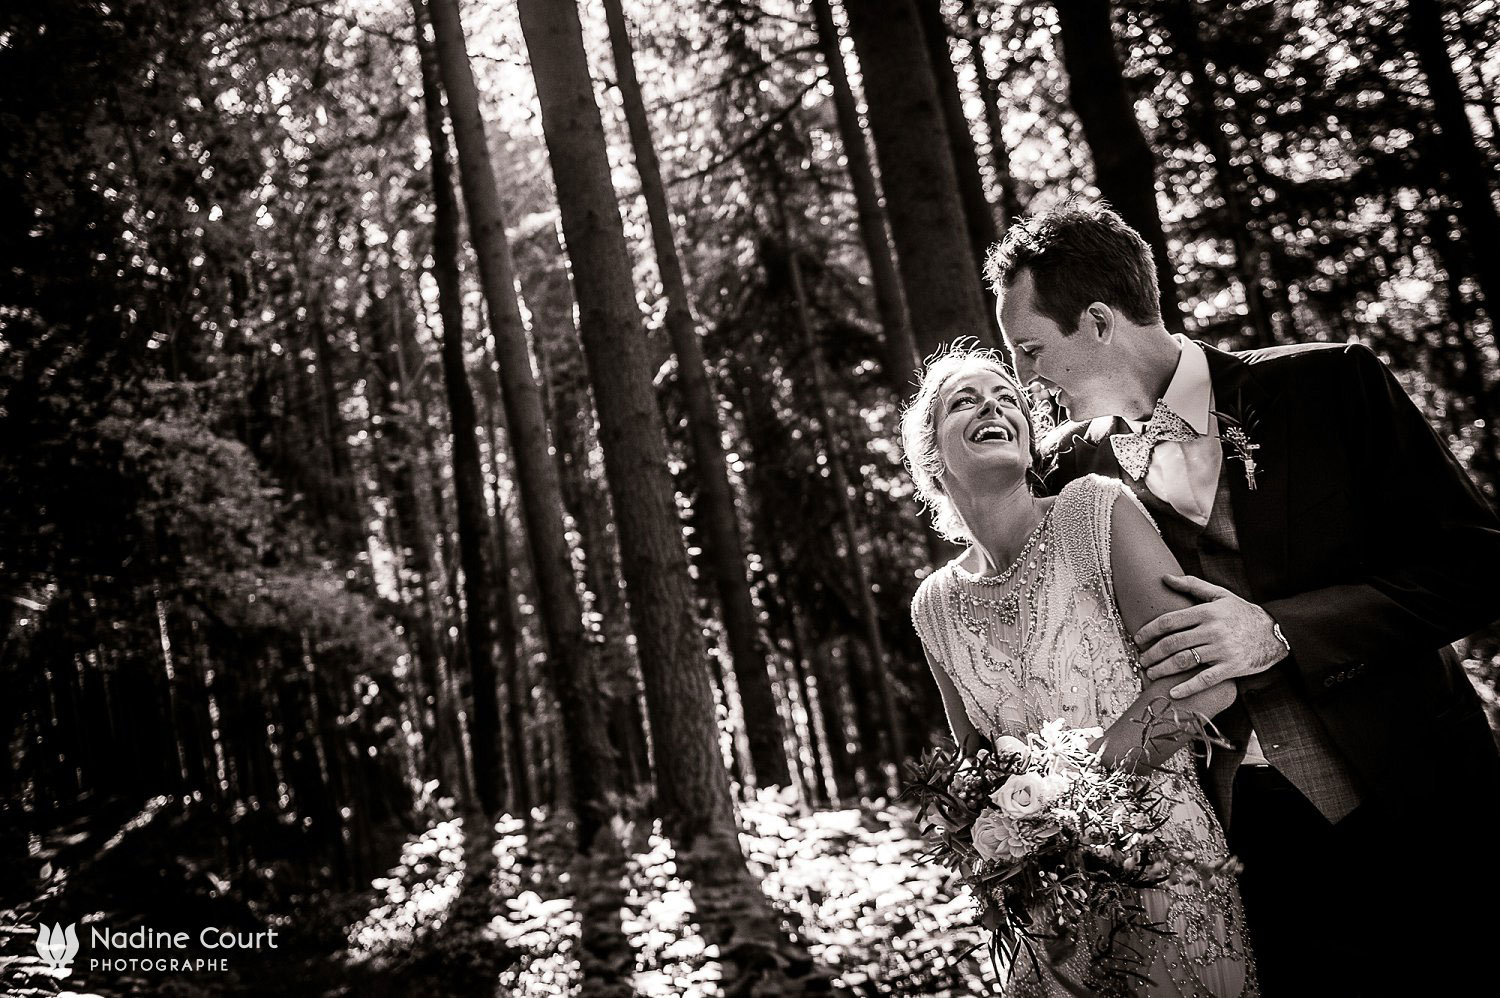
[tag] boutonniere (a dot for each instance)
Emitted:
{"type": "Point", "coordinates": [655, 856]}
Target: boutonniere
{"type": "Point", "coordinates": [1235, 432]}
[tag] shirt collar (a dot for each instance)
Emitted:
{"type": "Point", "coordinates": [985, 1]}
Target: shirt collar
{"type": "Point", "coordinates": [1190, 392]}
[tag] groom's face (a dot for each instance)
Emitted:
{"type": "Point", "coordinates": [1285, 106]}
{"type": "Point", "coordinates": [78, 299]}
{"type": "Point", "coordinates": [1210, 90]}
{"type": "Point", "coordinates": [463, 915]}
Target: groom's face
{"type": "Point", "coordinates": [1069, 366]}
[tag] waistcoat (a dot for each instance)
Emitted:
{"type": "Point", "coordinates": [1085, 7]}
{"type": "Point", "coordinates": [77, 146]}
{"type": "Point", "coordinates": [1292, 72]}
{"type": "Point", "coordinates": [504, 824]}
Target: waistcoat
{"type": "Point", "coordinates": [1292, 737]}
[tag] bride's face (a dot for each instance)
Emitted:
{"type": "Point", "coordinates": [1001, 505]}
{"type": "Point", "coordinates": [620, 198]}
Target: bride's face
{"type": "Point", "coordinates": [983, 434]}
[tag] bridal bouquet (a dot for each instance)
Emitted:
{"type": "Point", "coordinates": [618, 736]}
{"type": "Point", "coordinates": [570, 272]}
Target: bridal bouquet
{"type": "Point", "coordinates": [1046, 837]}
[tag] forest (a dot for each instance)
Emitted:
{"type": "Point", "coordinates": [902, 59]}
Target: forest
{"type": "Point", "coordinates": [454, 512]}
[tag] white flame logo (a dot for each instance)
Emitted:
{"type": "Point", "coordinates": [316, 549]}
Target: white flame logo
{"type": "Point", "coordinates": [57, 946]}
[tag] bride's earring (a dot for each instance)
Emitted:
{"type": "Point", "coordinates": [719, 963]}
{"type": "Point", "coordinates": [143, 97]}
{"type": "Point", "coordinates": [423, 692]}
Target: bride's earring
{"type": "Point", "coordinates": [1035, 482]}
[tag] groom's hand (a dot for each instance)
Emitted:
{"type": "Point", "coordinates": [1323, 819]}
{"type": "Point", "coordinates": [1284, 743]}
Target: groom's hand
{"type": "Point", "coordinates": [1231, 637]}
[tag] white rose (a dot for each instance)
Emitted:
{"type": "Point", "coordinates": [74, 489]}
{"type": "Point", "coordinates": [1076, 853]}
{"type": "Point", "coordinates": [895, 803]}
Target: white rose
{"type": "Point", "coordinates": [1023, 795]}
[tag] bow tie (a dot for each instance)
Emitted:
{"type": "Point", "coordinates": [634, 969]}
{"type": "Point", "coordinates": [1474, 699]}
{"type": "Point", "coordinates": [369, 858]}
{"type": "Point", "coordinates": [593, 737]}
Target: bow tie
{"type": "Point", "coordinates": [1134, 449]}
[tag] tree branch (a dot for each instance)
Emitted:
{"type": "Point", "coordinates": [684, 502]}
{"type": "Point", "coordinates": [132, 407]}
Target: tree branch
{"type": "Point", "coordinates": [749, 140]}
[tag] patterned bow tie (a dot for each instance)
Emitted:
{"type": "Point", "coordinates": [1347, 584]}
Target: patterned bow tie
{"type": "Point", "coordinates": [1134, 449]}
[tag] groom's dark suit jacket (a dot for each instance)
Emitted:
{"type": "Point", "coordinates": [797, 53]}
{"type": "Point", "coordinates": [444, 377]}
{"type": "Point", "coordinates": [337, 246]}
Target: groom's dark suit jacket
{"type": "Point", "coordinates": [1367, 542]}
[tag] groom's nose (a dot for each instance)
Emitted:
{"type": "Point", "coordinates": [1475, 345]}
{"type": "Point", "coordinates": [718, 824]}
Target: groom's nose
{"type": "Point", "coordinates": [1024, 369]}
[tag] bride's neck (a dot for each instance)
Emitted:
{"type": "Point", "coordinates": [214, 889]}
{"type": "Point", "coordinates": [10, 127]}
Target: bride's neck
{"type": "Point", "coordinates": [1001, 525]}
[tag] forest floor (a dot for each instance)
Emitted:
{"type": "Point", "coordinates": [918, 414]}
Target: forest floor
{"type": "Point", "coordinates": [468, 911]}
{"type": "Point", "coordinates": [850, 887]}
{"type": "Point", "coordinates": [511, 911]}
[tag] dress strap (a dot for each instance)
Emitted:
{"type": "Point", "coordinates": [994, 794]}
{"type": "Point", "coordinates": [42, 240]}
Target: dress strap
{"type": "Point", "coordinates": [1086, 515]}
{"type": "Point", "coordinates": [928, 618]}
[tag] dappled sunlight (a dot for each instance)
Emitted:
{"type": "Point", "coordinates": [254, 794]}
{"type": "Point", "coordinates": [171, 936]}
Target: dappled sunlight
{"type": "Point", "coordinates": [857, 890]}
{"type": "Point", "coordinates": [541, 926]}
{"type": "Point", "coordinates": [850, 884]}
{"type": "Point", "coordinates": [546, 932]}
{"type": "Point", "coordinates": [418, 893]}
{"type": "Point", "coordinates": [672, 958]}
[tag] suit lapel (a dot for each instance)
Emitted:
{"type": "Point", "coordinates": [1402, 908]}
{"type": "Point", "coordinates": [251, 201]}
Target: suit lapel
{"type": "Point", "coordinates": [1259, 513]}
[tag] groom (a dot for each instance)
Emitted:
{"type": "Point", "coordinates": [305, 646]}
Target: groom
{"type": "Point", "coordinates": [1334, 548]}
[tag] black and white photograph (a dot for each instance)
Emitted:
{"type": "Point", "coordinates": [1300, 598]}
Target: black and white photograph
{"type": "Point", "coordinates": [749, 498]}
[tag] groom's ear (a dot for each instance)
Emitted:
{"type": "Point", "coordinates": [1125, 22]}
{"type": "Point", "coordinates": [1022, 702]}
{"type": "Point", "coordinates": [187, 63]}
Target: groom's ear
{"type": "Point", "coordinates": [1099, 321]}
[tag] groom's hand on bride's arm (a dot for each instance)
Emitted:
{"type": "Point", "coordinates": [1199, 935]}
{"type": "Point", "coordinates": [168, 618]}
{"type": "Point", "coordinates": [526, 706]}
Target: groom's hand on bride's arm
{"type": "Point", "coordinates": [1231, 637]}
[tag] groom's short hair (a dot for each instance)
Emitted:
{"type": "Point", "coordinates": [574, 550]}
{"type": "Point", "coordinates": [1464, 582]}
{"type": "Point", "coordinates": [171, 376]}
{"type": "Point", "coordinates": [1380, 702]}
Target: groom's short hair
{"type": "Point", "coordinates": [1078, 252]}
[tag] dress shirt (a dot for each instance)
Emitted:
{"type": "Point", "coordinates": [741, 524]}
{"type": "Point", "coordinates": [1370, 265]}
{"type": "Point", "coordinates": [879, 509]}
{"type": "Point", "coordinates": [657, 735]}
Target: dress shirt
{"type": "Point", "coordinates": [1185, 474]}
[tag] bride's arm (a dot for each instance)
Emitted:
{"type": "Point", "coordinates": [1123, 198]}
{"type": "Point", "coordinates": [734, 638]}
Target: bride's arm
{"type": "Point", "coordinates": [1139, 559]}
{"type": "Point", "coordinates": [965, 735]}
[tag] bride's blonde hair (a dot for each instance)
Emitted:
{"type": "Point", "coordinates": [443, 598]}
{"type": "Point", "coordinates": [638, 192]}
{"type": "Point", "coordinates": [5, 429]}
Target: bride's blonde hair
{"type": "Point", "coordinates": [919, 430]}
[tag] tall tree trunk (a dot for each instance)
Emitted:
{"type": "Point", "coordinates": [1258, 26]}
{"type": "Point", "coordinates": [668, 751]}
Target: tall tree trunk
{"type": "Point", "coordinates": [978, 212]}
{"type": "Point", "coordinates": [693, 789]}
{"type": "Point", "coordinates": [1466, 174]}
{"type": "Point", "coordinates": [755, 394]}
{"type": "Point", "coordinates": [994, 122]}
{"type": "Point", "coordinates": [892, 730]}
{"type": "Point", "coordinates": [901, 356]}
{"type": "Point", "coordinates": [1124, 166]}
{"type": "Point", "coordinates": [509, 634]}
{"type": "Point", "coordinates": [723, 545]}
{"type": "Point", "coordinates": [589, 756]}
{"type": "Point", "coordinates": [1181, 20]}
{"type": "Point", "coordinates": [570, 411]}
{"type": "Point", "coordinates": [468, 482]}
{"type": "Point", "coordinates": [395, 455]}
{"type": "Point", "coordinates": [517, 689]}
{"type": "Point", "coordinates": [945, 298]}
{"type": "Point", "coordinates": [835, 764]}
{"type": "Point", "coordinates": [417, 618]}
{"type": "Point", "coordinates": [341, 496]}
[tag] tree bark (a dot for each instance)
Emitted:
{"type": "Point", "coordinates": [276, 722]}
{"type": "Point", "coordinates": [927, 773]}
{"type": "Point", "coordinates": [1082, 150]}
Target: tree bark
{"type": "Point", "coordinates": [945, 298]}
{"type": "Point", "coordinates": [994, 121]}
{"type": "Point", "coordinates": [591, 762]}
{"type": "Point", "coordinates": [978, 212]}
{"type": "Point", "coordinates": [723, 544]}
{"type": "Point", "coordinates": [692, 787]}
{"type": "Point", "coordinates": [340, 496]}
{"type": "Point", "coordinates": [767, 437]}
{"type": "Point", "coordinates": [504, 602]}
{"type": "Point", "coordinates": [1466, 175]}
{"type": "Point", "coordinates": [570, 411]}
{"type": "Point", "coordinates": [836, 765]}
{"type": "Point", "coordinates": [1124, 166]}
{"type": "Point", "coordinates": [901, 356]}
{"type": "Point", "coordinates": [468, 481]}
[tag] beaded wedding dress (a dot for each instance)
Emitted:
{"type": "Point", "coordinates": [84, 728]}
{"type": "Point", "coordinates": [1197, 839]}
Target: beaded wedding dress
{"type": "Point", "coordinates": [1044, 640]}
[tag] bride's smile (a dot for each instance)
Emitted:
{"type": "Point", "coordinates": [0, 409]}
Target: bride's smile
{"type": "Point", "coordinates": [983, 427]}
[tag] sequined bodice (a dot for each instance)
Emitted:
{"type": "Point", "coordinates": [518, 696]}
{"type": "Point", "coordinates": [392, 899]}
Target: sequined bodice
{"type": "Point", "coordinates": [1044, 640]}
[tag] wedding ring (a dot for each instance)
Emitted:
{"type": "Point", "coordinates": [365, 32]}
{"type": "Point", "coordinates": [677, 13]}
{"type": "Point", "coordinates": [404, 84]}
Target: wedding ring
{"type": "Point", "coordinates": [1196, 660]}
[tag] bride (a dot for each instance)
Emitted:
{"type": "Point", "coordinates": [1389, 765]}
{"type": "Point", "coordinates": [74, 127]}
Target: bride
{"type": "Point", "coordinates": [1032, 623]}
